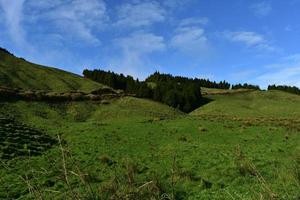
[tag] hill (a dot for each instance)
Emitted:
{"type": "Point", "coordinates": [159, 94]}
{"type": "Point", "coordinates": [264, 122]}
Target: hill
{"type": "Point", "coordinates": [19, 73]}
{"type": "Point", "coordinates": [145, 149]}
{"type": "Point", "coordinates": [252, 104]}
{"type": "Point", "coordinates": [135, 148]}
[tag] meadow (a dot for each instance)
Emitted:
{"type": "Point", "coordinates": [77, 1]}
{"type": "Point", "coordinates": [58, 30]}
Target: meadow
{"type": "Point", "coordinates": [238, 146]}
{"type": "Point", "coordinates": [243, 144]}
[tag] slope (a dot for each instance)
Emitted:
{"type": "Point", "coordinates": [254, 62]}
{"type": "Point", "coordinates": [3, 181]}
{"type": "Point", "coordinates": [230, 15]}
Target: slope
{"type": "Point", "coordinates": [19, 73]}
{"type": "Point", "coordinates": [253, 104]}
{"type": "Point", "coordinates": [121, 146]}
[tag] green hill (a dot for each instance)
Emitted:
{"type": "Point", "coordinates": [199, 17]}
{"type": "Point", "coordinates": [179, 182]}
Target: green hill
{"type": "Point", "coordinates": [132, 148]}
{"type": "Point", "coordinates": [19, 73]}
{"type": "Point", "coordinates": [115, 149]}
{"type": "Point", "coordinates": [253, 104]}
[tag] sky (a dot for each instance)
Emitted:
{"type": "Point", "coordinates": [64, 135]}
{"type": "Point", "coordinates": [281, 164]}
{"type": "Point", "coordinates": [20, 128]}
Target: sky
{"type": "Point", "coordinates": [253, 41]}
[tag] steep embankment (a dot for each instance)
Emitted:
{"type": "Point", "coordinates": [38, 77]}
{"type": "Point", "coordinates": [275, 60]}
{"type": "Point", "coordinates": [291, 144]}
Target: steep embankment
{"type": "Point", "coordinates": [19, 73]}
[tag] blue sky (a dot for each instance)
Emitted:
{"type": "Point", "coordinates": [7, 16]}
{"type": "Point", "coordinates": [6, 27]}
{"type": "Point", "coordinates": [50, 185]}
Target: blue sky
{"type": "Point", "coordinates": [235, 40]}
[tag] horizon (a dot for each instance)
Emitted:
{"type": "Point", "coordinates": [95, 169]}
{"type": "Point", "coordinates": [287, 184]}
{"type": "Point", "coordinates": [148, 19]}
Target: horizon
{"type": "Point", "coordinates": [239, 42]}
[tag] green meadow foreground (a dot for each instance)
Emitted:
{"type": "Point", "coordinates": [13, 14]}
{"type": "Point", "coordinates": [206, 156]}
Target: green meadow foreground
{"type": "Point", "coordinates": [243, 144]}
{"type": "Point", "coordinates": [239, 146]}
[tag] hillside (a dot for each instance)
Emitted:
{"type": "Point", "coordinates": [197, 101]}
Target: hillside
{"type": "Point", "coordinates": [19, 73]}
{"type": "Point", "coordinates": [136, 148]}
{"type": "Point", "coordinates": [252, 104]}
{"type": "Point", "coordinates": [214, 91]}
{"type": "Point", "coordinates": [144, 149]}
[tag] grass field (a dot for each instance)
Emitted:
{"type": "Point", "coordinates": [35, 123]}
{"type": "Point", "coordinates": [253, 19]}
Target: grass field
{"type": "Point", "coordinates": [18, 73]}
{"type": "Point", "coordinates": [253, 104]}
{"type": "Point", "coordinates": [239, 146]}
{"type": "Point", "coordinates": [243, 144]}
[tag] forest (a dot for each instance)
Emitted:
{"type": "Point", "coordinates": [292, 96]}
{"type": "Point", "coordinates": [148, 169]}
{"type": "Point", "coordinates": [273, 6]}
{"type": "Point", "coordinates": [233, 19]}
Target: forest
{"type": "Point", "coordinates": [245, 86]}
{"type": "Point", "coordinates": [177, 91]}
{"type": "Point", "coordinates": [285, 88]}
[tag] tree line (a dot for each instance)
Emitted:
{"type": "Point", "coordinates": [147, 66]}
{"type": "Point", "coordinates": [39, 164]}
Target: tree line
{"type": "Point", "coordinates": [158, 77]}
{"type": "Point", "coordinates": [180, 93]}
{"type": "Point", "coordinates": [285, 88]}
{"type": "Point", "coordinates": [245, 86]}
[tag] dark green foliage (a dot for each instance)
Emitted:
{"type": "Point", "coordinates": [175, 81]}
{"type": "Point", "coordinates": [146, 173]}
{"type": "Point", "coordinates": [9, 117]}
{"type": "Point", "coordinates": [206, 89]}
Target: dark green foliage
{"type": "Point", "coordinates": [117, 81]}
{"type": "Point", "coordinates": [144, 91]}
{"type": "Point", "coordinates": [290, 89]}
{"type": "Point", "coordinates": [6, 51]}
{"type": "Point", "coordinates": [245, 86]}
{"type": "Point", "coordinates": [178, 92]}
{"type": "Point", "coordinates": [185, 96]}
{"type": "Point", "coordinates": [158, 77]}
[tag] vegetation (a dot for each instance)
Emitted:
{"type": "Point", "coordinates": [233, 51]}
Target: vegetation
{"type": "Point", "coordinates": [19, 140]}
{"type": "Point", "coordinates": [157, 77]}
{"type": "Point", "coordinates": [9, 94]}
{"type": "Point", "coordinates": [245, 86]}
{"type": "Point", "coordinates": [181, 93]}
{"type": "Point", "coordinates": [18, 73]}
{"type": "Point", "coordinates": [207, 92]}
{"type": "Point", "coordinates": [285, 88]}
{"type": "Point", "coordinates": [139, 149]}
{"type": "Point", "coordinates": [252, 104]}
{"type": "Point", "coordinates": [243, 144]}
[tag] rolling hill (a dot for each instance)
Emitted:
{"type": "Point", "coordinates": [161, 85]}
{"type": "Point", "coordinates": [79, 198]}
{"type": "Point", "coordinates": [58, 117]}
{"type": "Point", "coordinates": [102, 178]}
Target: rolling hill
{"type": "Point", "coordinates": [252, 104]}
{"type": "Point", "coordinates": [119, 147]}
{"type": "Point", "coordinates": [19, 73]}
{"type": "Point", "coordinates": [134, 148]}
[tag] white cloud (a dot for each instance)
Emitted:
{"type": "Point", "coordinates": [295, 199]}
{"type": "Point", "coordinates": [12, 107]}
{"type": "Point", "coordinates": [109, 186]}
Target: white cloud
{"type": "Point", "coordinates": [141, 43]}
{"type": "Point", "coordinates": [140, 14]}
{"type": "Point", "coordinates": [13, 15]}
{"type": "Point", "coordinates": [190, 37]}
{"type": "Point", "coordinates": [176, 4]}
{"type": "Point", "coordinates": [285, 72]}
{"type": "Point", "coordinates": [44, 4]}
{"type": "Point", "coordinates": [135, 50]}
{"type": "Point", "coordinates": [193, 21]}
{"type": "Point", "coordinates": [250, 39]}
{"type": "Point", "coordinates": [76, 18]}
{"type": "Point", "coordinates": [293, 58]}
{"type": "Point", "coordinates": [261, 9]}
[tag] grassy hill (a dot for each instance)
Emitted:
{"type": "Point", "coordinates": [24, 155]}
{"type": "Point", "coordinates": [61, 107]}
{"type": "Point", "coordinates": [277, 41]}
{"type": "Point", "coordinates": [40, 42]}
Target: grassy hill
{"type": "Point", "coordinates": [145, 150]}
{"type": "Point", "coordinates": [131, 148]}
{"type": "Point", "coordinates": [19, 73]}
{"type": "Point", "coordinates": [253, 104]}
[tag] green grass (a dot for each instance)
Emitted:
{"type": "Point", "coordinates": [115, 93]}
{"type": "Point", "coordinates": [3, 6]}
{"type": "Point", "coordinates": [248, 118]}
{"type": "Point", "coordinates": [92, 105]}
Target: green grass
{"type": "Point", "coordinates": [214, 91]}
{"type": "Point", "coordinates": [241, 145]}
{"type": "Point", "coordinates": [140, 149]}
{"type": "Point", "coordinates": [18, 73]}
{"type": "Point", "coordinates": [253, 104]}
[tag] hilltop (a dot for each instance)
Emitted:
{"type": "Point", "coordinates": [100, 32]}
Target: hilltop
{"type": "Point", "coordinates": [19, 73]}
{"type": "Point", "coordinates": [248, 103]}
